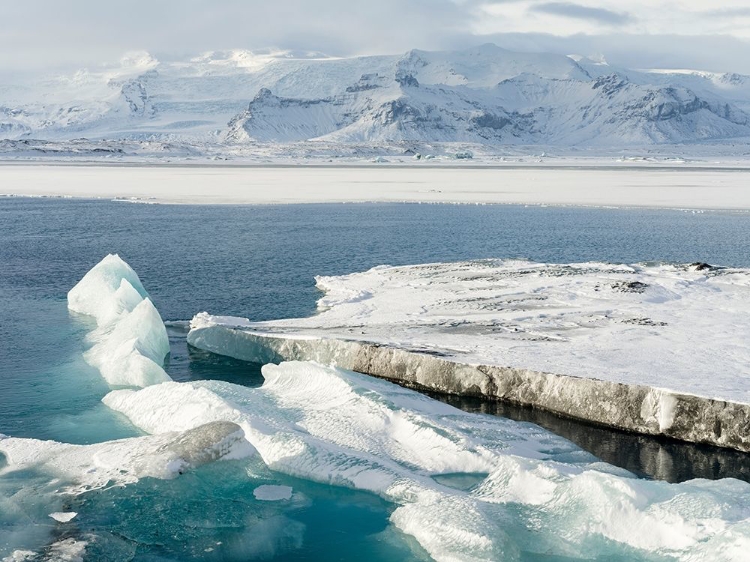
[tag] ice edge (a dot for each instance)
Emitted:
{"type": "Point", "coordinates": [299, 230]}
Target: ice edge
{"type": "Point", "coordinates": [636, 408]}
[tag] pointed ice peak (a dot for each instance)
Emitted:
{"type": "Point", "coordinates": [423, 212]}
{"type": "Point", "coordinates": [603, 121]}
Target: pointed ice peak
{"type": "Point", "coordinates": [593, 59]}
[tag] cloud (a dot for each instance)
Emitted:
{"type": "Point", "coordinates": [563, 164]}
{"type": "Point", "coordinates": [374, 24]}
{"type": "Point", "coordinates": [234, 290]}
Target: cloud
{"type": "Point", "coordinates": [728, 13]}
{"type": "Point", "coordinates": [48, 34]}
{"type": "Point", "coordinates": [719, 53]}
{"type": "Point", "coordinates": [84, 31]}
{"type": "Point", "coordinates": [580, 12]}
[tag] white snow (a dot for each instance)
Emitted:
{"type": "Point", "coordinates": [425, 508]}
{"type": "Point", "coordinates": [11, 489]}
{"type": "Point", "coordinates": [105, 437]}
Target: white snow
{"type": "Point", "coordinates": [130, 342]}
{"type": "Point", "coordinates": [341, 428]}
{"type": "Point", "coordinates": [664, 326]}
{"type": "Point", "coordinates": [67, 550]}
{"type": "Point", "coordinates": [692, 188]}
{"type": "Point", "coordinates": [270, 493]}
{"type": "Point", "coordinates": [63, 516]}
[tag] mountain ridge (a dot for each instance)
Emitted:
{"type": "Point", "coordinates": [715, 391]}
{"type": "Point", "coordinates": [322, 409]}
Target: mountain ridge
{"type": "Point", "coordinates": [484, 95]}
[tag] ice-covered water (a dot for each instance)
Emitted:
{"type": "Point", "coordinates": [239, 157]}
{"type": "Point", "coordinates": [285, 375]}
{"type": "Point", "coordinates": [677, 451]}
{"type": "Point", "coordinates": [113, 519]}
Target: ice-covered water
{"type": "Point", "coordinates": [260, 262]}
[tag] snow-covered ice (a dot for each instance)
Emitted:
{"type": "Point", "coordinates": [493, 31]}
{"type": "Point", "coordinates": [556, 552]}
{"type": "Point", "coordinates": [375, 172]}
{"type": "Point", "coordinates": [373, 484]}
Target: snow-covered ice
{"type": "Point", "coordinates": [533, 491]}
{"type": "Point", "coordinates": [677, 327]}
{"type": "Point", "coordinates": [88, 467]}
{"type": "Point", "coordinates": [657, 349]}
{"type": "Point", "coordinates": [130, 342]}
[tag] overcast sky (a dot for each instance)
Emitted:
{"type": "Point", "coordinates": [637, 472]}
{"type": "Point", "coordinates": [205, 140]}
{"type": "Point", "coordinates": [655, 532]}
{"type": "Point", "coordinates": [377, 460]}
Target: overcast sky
{"type": "Point", "coordinates": [638, 33]}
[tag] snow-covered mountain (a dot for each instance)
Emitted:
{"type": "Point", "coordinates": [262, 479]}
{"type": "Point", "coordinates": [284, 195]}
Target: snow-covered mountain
{"type": "Point", "coordinates": [483, 95]}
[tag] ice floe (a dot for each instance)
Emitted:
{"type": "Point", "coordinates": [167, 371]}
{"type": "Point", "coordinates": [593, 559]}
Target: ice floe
{"type": "Point", "coordinates": [130, 341]}
{"type": "Point", "coordinates": [63, 516]}
{"type": "Point", "coordinates": [677, 327]}
{"type": "Point", "coordinates": [531, 491]}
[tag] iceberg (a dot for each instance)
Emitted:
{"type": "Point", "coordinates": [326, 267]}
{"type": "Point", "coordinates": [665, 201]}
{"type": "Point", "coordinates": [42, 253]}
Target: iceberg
{"type": "Point", "coordinates": [528, 491]}
{"type": "Point", "coordinates": [130, 342]}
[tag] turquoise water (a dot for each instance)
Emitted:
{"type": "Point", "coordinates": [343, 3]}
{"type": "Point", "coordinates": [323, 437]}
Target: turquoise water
{"type": "Point", "coordinates": [257, 262]}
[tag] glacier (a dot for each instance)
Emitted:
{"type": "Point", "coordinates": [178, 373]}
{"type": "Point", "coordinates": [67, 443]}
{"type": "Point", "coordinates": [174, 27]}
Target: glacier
{"type": "Point", "coordinates": [130, 341]}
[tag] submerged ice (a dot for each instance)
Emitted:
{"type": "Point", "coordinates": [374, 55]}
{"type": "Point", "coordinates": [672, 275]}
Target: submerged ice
{"type": "Point", "coordinates": [130, 342]}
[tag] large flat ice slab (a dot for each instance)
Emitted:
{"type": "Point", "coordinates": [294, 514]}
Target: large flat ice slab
{"type": "Point", "coordinates": [651, 348]}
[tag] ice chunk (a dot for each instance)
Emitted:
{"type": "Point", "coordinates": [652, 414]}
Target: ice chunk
{"type": "Point", "coordinates": [66, 550]}
{"type": "Point", "coordinates": [130, 342]}
{"type": "Point", "coordinates": [63, 516]}
{"type": "Point", "coordinates": [87, 467]}
{"type": "Point", "coordinates": [20, 556]}
{"type": "Point", "coordinates": [540, 495]}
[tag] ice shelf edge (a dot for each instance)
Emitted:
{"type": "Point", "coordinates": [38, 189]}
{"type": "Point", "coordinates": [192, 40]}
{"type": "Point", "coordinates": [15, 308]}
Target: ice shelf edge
{"type": "Point", "coordinates": [635, 408]}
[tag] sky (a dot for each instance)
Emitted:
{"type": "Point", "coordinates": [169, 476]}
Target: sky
{"type": "Point", "coordinates": [47, 34]}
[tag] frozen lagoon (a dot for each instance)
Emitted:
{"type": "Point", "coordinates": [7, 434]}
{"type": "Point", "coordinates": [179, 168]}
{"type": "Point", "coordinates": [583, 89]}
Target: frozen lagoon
{"type": "Point", "coordinates": [621, 185]}
{"type": "Point", "coordinates": [655, 349]}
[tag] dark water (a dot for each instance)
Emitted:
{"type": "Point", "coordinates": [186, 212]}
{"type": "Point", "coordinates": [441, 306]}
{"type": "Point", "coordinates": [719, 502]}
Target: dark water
{"type": "Point", "coordinates": [260, 262]}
